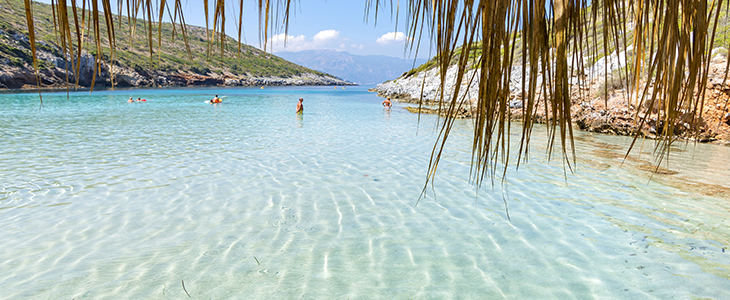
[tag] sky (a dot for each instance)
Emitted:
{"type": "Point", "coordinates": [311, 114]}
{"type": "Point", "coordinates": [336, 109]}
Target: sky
{"type": "Point", "coordinates": [322, 25]}
{"type": "Point", "coordinates": [318, 25]}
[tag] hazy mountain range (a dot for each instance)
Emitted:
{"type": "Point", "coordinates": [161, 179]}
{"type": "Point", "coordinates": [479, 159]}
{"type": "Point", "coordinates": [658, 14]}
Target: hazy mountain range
{"type": "Point", "coordinates": [360, 69]}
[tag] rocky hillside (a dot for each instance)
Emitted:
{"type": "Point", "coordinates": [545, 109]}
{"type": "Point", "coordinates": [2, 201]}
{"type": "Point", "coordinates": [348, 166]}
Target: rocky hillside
{"type": "Point", "coordinates": [134, 65]}
{"type": "Point", "coordinates": [600, 99]}
{"type": "Point", "coordinates": [592, 109]}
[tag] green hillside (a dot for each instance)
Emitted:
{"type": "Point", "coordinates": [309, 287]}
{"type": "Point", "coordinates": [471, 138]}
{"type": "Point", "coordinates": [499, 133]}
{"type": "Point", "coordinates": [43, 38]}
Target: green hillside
{"type": "Point", "coordinates": [133, 51]}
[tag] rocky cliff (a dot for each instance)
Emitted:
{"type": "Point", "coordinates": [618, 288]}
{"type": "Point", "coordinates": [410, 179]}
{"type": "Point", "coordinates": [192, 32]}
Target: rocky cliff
{"type": "Point", "coordinates": [55, 70]}
{"type": "Point", "coordinates": [136, 64]}
{"type": "Point", "coordinates": [592, 108]}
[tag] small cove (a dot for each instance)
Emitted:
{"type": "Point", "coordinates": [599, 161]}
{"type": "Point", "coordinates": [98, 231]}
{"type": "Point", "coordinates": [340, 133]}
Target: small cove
{"type": "Point", "coordinates": [103, 199]}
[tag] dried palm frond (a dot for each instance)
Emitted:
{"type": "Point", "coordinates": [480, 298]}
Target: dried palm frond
{"type": "Point", "coordinates": [671, 41]}
{"type": "Point", "coordinates": [677, 64]}
{"type": "Point", "coordinates": [240, 26]}
{"type": "Point", "coordinates": [31, 37]}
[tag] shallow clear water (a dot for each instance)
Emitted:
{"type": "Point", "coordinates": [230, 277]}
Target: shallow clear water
{"type": "Point", "coordinates": [103, 199]}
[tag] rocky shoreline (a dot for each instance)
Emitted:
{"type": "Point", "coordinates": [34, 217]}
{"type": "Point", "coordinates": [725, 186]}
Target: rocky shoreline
{"type": "Point", "coordinates": [14, 77]}
{"type": "Point", "coordinates": [610, 114]}
{"type": "Point", "coordinates": [55, 71]}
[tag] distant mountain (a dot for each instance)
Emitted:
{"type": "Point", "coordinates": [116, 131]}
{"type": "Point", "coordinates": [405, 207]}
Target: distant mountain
{"type": "Point", "coordinates": [360, 69]}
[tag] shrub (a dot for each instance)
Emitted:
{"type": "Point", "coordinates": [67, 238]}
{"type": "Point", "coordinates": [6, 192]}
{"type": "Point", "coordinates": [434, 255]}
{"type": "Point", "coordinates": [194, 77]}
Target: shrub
{"type": "Point", "coordinates": [200, 69]}
{"type": "Point", "coordinates": [618, 79]}
{"type": "Point", "coordinates": [16, 62]}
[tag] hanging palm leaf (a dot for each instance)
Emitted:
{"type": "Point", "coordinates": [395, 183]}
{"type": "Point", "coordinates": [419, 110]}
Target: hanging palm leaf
{"type": "Point", "coordinates": [671, 41]}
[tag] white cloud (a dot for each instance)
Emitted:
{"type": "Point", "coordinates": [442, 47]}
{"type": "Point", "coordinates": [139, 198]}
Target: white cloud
{"type": "Point", "coordinates": [356, 46]}
{"type": "Point", "coordinates": [326, 39]}
{"type": "Point", "coordinates": [282, 42]}
{"type": "Point", "coordinates": [326, 35]}
{"type": "Point", "coordinates": [391, 38]}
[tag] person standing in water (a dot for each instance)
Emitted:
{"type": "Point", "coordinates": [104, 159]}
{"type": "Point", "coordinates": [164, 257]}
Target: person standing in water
{"type": "Point", "coordinates": [130, 100]}
{"type": "Point", "coordinates": [300, 106]}
{"type": "Point", "coordinates": [387, 104]}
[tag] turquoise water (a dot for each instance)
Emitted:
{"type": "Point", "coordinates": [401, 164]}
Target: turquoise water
{"type": "Point", "coordinates": [103, 199]}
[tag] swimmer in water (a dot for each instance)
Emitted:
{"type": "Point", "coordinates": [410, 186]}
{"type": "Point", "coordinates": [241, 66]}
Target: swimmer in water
{"type": "Point", "coordinates": [387, 104]}
{"type": "Point", "coordinates": [300, 106]}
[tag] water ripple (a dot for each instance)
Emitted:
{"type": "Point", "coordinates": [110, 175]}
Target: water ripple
{"type": "Point", "coordinates": [105, 200]}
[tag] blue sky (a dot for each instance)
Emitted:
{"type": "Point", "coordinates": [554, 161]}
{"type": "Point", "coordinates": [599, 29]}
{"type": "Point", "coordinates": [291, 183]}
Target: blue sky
{"type": "Point", "coordinates": [316, 25]}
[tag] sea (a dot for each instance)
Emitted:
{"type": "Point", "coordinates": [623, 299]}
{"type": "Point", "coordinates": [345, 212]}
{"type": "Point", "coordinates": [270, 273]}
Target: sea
{"type": "Point", "coordinates": [174, 198]}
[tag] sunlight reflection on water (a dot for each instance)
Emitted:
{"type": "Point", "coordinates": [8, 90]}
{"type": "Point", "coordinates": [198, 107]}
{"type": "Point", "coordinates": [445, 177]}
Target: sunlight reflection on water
{"type": "Point", "coordinates": [105, 199]}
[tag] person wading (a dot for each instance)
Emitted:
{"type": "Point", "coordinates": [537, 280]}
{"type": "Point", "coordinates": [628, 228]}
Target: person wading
{"type": "Point", "coordinates": [300, 106]}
